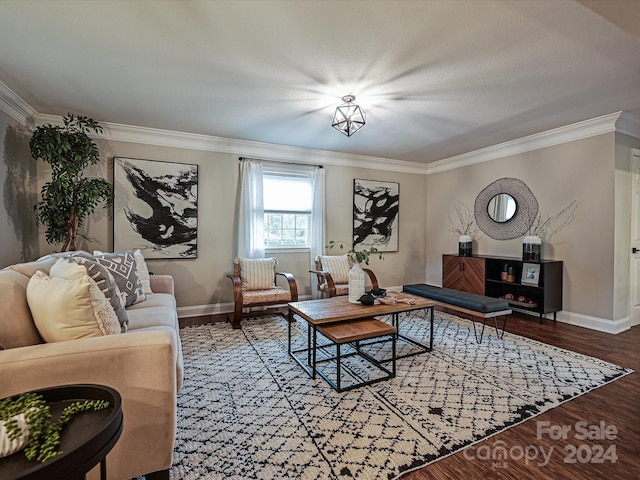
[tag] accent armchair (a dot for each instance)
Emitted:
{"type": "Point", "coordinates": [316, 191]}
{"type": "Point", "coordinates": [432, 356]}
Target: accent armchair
{"type": "Point", "coordinates": [255, 285]}
{"type": "Point", "coordinates": [332, 272]}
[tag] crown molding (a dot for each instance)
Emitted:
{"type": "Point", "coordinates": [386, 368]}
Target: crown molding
{"type": "Point", "coordinates": [16, 107]}
{"type": "Point", "coordinates": [628, 124]}
{"type": "Point", "coordinates": [620, 122]}
{"type": "Point", "coordinates": [266, 151]}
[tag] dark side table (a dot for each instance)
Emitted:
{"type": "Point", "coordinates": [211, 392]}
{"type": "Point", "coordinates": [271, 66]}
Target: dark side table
{"type": "Point", "coordinates": [85, 440]}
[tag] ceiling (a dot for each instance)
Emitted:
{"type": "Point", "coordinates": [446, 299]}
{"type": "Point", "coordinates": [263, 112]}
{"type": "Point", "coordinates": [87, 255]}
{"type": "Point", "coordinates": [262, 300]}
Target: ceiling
{"type": "Point", "coordinates": [436, 78]}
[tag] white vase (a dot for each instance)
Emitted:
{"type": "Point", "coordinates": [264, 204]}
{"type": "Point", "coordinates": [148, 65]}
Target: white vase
{"type": "Point", "coordinates": [9, 447]}
{"type": "Point", "coordinates": [465, 245]}
{"type": "Point", "coordinates": [356, 283]}
{"type": "Point", "coordinates": [531, 248]}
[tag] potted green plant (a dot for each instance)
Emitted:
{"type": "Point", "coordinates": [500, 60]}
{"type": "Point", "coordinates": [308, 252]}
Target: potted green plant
{"type": "Point", "coordinates": [70, 196]}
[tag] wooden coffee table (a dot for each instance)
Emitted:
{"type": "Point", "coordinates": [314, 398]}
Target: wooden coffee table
{"type": "Point", "coordinates": [338, 309]}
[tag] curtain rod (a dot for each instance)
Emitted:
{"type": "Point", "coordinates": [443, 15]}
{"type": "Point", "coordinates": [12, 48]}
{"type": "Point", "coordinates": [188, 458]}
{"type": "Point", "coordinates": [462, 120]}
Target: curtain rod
{"type": "Point", "coordinates": [280, 162]}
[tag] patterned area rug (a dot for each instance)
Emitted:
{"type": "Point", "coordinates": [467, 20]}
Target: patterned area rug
{"type": "Point", "coordinates": [248, 411]}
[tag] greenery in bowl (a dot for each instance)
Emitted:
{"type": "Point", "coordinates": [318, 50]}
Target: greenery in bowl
{"type": "Point", "coordinates": [43, 434]}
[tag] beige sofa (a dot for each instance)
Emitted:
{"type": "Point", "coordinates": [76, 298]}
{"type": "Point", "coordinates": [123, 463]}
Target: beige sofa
{"type": "Point", "coordinates": [144, 365]}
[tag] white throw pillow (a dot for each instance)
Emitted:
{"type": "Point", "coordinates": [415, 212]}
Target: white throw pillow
{"type": "Point", "coordinates": [69, 309]}
{"type": "Point", "coordinates": [76, 267]}
{"type": "Point", "coordinates": [337, 266]}
{"type": "Point", "coordinates": [143, 271]}
{"type": "Point", "coordinates": [257, 273]}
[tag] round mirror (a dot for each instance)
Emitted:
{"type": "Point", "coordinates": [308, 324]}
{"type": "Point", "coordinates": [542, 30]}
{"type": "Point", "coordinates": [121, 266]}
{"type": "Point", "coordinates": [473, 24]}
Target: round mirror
{"type": "Point", "coordinates": [502, 207]}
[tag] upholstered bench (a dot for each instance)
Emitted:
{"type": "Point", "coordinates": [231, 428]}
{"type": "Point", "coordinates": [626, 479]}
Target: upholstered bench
{"type": "Point", "coordinates": [353, 331]}
{"type": "Point", "coordinates": [469, 303]}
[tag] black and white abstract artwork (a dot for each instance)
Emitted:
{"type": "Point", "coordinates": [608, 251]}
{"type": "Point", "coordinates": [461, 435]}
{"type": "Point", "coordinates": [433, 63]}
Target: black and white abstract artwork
{"type": "Point", "coordinates": [375, 214]}
{"type": "Point", "coordinates": [155, 208]}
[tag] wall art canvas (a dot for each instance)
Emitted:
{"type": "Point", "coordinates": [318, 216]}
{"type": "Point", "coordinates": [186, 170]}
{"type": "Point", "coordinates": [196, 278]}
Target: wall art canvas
{"type": "Point", "coordinates": [155, 208]}
{"type": "Point", "coordinates": [375, 214]}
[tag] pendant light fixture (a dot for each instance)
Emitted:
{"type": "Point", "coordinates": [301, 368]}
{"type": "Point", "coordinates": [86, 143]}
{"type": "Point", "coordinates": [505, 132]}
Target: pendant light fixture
{"type": "Point", "coordinates": [349, 117]}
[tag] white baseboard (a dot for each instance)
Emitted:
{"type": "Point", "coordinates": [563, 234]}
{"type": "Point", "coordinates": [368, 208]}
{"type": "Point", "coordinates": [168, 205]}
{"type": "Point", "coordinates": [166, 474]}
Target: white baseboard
{"type": "Point", "coordinates": [593, 323]}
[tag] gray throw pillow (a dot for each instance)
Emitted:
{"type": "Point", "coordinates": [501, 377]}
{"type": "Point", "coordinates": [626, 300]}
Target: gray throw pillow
{"type": "Point", "coordinates": [122, 266]}
{"type": "Point", "coordinates": [106, 283]}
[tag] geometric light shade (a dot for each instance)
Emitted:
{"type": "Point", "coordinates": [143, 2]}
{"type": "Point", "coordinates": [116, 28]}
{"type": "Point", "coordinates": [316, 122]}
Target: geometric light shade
{"type": "Point", "coordinates": [349, 117]}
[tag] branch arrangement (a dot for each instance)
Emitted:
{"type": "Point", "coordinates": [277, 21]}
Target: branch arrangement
{"type": "Point", "coordinates": [545, 228]}
{"type": "Point", "coordinates": [466, 224]}
{"type": "Point", "coordinates": [356, 256]}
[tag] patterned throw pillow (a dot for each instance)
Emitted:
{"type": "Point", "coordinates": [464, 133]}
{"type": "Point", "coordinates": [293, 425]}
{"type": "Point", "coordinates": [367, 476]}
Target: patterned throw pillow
{"type": "Point", "coordinates": [87, 265]}
{"type": "Point", "coordinates": [122, 266]}
{"type": "Point", "coordinates": [141, 269]}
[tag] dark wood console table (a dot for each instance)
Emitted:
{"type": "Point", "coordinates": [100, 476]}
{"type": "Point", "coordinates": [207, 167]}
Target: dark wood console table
{"type": "Point", "coordinates": [85, 440]}
{"type": "Point", "coordinates": [481, 274]}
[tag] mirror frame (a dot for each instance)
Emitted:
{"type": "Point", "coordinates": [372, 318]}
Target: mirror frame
{"type": "Point", "coordinates": [526, 209]}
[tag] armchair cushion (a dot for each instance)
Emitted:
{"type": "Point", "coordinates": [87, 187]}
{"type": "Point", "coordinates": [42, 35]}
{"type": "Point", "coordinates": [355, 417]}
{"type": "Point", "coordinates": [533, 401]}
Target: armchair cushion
{"type": "Point", "coordinates": [337, 265]}
{"type": "Point", "coordinates": [257, 273]}
{"type": "Point", "coordinates": [69, 309]}
{"type": "Point", "coordinates": [272, 295]}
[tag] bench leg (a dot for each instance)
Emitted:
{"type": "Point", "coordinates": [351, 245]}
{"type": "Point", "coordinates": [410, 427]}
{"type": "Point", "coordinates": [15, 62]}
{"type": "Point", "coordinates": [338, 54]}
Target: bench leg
{"type": "Point", "coordinates": [475, 332]}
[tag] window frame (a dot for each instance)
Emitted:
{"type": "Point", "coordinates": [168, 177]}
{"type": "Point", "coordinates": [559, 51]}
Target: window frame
{"type": "Point", "coordinates": [280, 172]}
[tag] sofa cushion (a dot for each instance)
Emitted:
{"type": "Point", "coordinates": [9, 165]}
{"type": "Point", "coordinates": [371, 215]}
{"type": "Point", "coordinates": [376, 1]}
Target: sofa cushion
{"type": "Point", "coordinates": [69, 309]}
{"type": "Point", "coordinates": [76, 267]}
{"type": "Point", "coordinates": [16, 324]}
{"type": "Point", "coordinates": [122, 266]}
{"type": "Point", "coordinates": [43, 264]}
{"type": "Point", "coordinates": [158, 310]}
{"type": "Point", "coordinates": [257, 273]}
{"type": "Point", "coordinates": [337, 266]}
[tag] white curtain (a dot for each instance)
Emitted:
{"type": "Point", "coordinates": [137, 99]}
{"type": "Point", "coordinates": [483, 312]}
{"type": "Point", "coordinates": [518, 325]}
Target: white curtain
{"type": "Point", "coordinates": [316, 236]}
{"type": "Point", "coordinates": [251, 210]}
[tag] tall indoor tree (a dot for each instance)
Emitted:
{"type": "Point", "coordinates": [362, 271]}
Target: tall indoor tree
{"type": "Point", "coordinates": [70, 196]}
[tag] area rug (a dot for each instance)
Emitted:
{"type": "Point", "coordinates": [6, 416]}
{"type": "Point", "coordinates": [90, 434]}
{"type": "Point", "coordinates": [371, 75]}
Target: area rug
{"type": "Point", "coordinates": [248, 411]}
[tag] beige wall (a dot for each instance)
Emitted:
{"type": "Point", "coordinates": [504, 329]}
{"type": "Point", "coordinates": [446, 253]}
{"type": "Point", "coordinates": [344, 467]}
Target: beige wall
{"type": "Point", "coordinates": [595, 247]}
{"type": "Point", "coordinates": [201, 285]}
{"type": "Point", "coordinates": [581, 170]}
{"type": "Point", "coordinates": [18, 233]}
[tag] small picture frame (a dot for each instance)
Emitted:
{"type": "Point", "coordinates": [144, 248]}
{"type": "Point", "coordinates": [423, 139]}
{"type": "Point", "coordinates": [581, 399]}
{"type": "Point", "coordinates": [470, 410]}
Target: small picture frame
{"type": "Point", "coordinates": [530, 274]}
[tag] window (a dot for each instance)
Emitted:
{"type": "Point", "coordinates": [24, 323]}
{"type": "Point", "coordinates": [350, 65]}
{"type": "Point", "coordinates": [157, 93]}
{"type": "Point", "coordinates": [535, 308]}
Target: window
{"type": "Point", "coordinates": [288, 200]}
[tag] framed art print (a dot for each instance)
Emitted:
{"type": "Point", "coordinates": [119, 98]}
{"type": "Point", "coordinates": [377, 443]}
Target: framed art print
{"type": "Point", "coordinates": [375, 214]}
{"type": "Point", "coordinates": [530, 274]}
{"type": "Point", "coordinates": [155, 208]}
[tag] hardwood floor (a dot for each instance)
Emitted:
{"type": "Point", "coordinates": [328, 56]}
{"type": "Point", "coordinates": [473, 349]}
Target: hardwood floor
{"type": "Point", "coordinates": [615, 406]}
